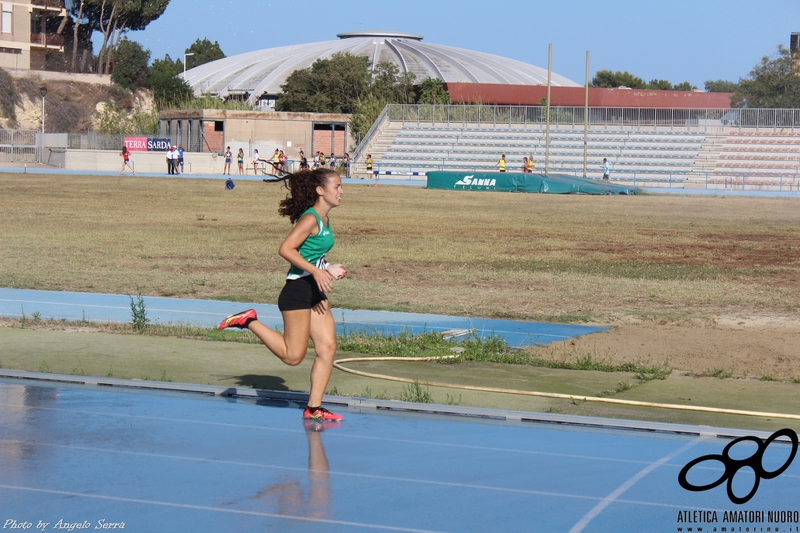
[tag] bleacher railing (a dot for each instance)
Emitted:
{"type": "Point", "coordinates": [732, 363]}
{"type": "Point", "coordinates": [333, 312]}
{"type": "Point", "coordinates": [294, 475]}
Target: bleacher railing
{"type": "Point", "coordinates": [499, 116]}
{"type": "Point", "coordinates": [371, 133]}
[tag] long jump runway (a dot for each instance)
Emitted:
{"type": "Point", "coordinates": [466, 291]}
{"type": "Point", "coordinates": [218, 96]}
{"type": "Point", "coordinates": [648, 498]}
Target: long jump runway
{"type": "Point", "coordinates": [95, 457]}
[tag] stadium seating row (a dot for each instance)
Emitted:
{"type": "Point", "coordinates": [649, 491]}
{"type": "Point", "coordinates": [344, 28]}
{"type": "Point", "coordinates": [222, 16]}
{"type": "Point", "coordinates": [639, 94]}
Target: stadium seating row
{"type": "Point", "coordinates": [759, 156]}
{"type": "Point", "coordinates": [660, 154]}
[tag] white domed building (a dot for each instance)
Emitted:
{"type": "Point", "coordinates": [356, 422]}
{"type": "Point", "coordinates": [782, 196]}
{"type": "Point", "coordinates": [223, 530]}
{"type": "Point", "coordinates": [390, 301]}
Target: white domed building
{"type": "Point", "coordinates": [257, 76]}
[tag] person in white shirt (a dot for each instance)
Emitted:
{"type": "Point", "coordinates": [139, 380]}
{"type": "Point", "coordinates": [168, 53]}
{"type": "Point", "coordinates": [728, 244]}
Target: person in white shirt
{"type": "Point", "coordinates": [173, 159]}
{"type": "Point", "coordinates": [256, 160]}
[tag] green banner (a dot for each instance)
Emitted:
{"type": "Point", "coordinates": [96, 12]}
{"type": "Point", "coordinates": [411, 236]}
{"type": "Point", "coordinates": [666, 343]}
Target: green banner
{"type": "Point", "coordinates": [519, 182]}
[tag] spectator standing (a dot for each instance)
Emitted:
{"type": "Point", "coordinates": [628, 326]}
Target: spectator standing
{"type": "Point", "coordinates": [256, 160]}
{"type": "Point", "coordinates": [126, 160]}
{"type": "Point", "coordinates": [530, 164]}
{"type": "Point", "coordinates": [316, 160]}
{"type": "Point", "coordinates": [322, 160]}
{"type": "Point", "coordinates": [274, 162]}
{"type": "Point", "coordinates": [169, 159]}
{"type": "Point", "coordinates": [173, 156]}
{"type": "Point", "coordinates": [282, 162]}
{"type": "Point", "coordinates": [502, 163]}
{"type": "Point", "coordinates": [369, 167]}
{"type": "Point", "coordinates": [346, 161]}
{"type": "Point", "coordinates": [333, 161]}
{"type": "Point", "coordinates": [228, 158]}
{"type": "Point", "coordinates": [606, 169]}
{"type": "Point", "coordinates": [180, 157]}
{"type": "Point", "coordinates": [240, 161]}
{"type": "Point", "coordinates": [525, 165]}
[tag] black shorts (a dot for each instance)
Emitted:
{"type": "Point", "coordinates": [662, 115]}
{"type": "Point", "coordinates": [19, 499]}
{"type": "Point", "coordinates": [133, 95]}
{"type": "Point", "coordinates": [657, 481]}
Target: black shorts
{"type": "Point", "coordinates": [300, 293]}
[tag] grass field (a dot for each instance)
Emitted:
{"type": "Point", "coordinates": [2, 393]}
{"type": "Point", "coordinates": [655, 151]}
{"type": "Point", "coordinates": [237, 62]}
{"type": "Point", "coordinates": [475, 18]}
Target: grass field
{"type": "Point", "coordinates": [533, 257]}
{"type": "Point", "coordinates": [705, 285]}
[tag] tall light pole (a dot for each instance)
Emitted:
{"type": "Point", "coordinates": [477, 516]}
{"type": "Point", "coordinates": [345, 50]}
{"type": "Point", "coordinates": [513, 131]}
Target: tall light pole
{"type": "Point", "coordinates": [43, 91]}
{"type": "Point", "coordinates": [184, 63]}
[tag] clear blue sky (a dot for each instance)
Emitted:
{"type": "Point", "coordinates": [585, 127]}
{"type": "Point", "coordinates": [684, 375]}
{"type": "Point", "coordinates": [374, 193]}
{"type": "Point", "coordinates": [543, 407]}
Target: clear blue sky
{"type": "Point", "coordinates": [676, 40]}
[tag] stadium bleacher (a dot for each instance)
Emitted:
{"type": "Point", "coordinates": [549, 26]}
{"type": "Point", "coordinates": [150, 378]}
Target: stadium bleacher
{"type": "Point", "coordinates": [714, 159]}
{"type": "Point", "coordinates": [760, 159]}
{"type": "Point", "coordinates": [645, 155]}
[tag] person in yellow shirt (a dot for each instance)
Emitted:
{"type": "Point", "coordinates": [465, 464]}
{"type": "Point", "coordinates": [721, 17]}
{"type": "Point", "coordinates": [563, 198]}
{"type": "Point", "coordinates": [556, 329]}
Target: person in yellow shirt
{"type": "Point", "coordinates": [502, 163]}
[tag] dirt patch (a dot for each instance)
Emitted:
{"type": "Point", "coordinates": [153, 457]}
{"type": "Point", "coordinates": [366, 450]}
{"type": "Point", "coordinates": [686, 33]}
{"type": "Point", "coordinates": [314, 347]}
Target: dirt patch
{"type": "Point", "coordinates": [748, 347]}
{"type": "Point", "coordinates": [70, 105]}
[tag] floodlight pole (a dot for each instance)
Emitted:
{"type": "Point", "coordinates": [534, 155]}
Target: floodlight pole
{"type": "Point", "coordinates": [547, 121]}
{"type": "Point", "coordinates": [586, 115]}
{"type": "Point", "coordinates": [43, 92]}
{"type": "Point", "coordinates": [184, 63]}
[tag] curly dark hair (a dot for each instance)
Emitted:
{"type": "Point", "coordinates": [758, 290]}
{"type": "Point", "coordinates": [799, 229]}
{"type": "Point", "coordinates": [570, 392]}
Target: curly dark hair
{"type": "Point", "coordinates": [302, 187]}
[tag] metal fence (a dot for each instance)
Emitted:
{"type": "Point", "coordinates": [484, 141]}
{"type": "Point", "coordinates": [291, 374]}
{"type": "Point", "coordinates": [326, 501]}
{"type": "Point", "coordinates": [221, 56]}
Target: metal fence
{"type": "Point", "coordinates": [498, 116]}
{"type": "Point", "coordinates": [101, 141]}
{"type": "Point", "coordinates": [19, 146]}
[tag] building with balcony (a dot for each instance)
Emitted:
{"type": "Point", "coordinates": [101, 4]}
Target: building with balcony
{"type": "Point", "coordinates": [29, 32]}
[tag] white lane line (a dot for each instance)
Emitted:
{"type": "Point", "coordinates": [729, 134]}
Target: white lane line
{"type": "Point", "coordinates": [608, 500]}
{"type": "Point", "coordinates": [204, 461]}
{"type": "Point", "coordinates": [336, 435]}
{"type": "Point", "coordinates": [226, 462]}
{"type": "Point", "coordinates": [216, 509]}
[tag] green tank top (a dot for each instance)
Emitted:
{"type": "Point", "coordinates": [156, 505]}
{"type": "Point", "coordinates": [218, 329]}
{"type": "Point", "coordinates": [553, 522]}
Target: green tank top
{"type": "Point", "coordinates": [314, 247]}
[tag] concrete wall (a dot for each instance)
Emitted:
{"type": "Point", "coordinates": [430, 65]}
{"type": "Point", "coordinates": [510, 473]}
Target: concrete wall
{"type": "Point", "coordinates": [257, 130]}
{"type": "Point", "coordinates": [144, 162]}
{"type": "Point", "coordinates": [19, 39]}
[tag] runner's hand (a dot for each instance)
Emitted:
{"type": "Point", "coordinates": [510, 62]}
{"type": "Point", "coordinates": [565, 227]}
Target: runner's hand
{"type": "Point", "coordinates": [324, 280]}
{"type": "Point", "coordinates": [338, 271]}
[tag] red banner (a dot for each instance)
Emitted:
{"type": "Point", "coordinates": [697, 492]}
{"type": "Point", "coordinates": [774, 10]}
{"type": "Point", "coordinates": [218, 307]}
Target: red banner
{"type": "Point", "coordinates": [136, 144]}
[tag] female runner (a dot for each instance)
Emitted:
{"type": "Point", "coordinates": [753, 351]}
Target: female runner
{"type": "Point", "coordinates": [303, 301]}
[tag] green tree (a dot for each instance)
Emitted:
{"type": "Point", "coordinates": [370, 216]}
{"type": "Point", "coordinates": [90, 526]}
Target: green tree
{"type": "Point", "coordinates": [168, 88]}
{"type": "Point", "coordinates": [608, 80]}
{"type": "Point", "coordinates": [384, 81]}
{"type": "Point", "coordinates": [367, 110]}
{"type": "Point", "coordinates": [328, 86]}
{"type": "Point", "coordinates": [406, 91]}
{"type": "Point", "coordinates": [661, 85]}
{"type": "Point", "coordinates": [773, 83]}
{"type": "Point", "coordinates": [721, 86]}
{"type": "Point", "coordinates": [204, 51]}
{"type": "Point", "coordinates": [131, 61]}
{"type": "Point", "coordinates": [684, 86]}
{"type": "Point", "coordinates": [113, 18]}
{"type": "Point", "coordinates": [432, 91]}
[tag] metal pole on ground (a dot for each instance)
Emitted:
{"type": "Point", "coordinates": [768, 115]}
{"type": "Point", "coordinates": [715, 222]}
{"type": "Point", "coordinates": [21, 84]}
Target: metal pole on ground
{"type": "Point", "coordinates": [43, 91]}
{"type": "Point", "coordinates": [586, 118]}
{"type": "Point", "coordinates": [547, 120]}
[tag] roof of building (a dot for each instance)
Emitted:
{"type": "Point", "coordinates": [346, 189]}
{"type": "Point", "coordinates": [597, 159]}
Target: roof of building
{"type": "Point", "coordinates": [260, 74]}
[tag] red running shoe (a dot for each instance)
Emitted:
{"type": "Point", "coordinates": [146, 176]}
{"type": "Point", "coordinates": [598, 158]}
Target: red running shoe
{"type": "Point", "coordinates": [239, 320]}
{"type": "Point", "coordinates": [322, 414]}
